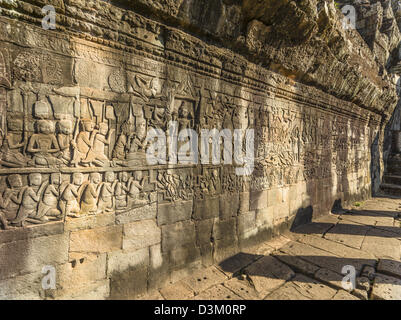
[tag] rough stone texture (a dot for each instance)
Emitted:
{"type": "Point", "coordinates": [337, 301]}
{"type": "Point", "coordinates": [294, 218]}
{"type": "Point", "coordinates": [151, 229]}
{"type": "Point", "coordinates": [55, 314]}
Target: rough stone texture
{"type": "Point", "coordinates": [386, 288]}
{"type": "Point", "coordinates": [389, 267]}
{"type": "Point", "coordinates": [268, 274]}
{"type": "Point", "coordinates": [141, 234]}
{"type": "Point", "coordinates": [96, 240]}
{"type": "Point", "coordinates": [76, 104]}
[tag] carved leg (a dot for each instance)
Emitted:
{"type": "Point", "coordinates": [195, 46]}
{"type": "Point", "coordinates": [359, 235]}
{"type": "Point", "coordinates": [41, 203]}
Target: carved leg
{"type": "Point", "coordinates": [3, 221]}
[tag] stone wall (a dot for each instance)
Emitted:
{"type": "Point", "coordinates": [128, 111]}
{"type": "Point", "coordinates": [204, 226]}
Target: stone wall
{"type": "Point", "coordinates": [76, 191]}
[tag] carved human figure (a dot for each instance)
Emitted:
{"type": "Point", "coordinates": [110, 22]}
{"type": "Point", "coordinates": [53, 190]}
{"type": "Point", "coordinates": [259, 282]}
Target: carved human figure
{"type": "Point", "coordinates": [96, 154]}
{"type": "Point", "coordinates": [48, 206]}
{"type": "Point", "coordinates": [70, 195]}
{"type": "Point", "coordinates": [90, 193]}
{"type": "Point", "coordinates": [65, 140]}
{"type": "Point", "coordinates": [44, 145]}
{"type": "Point", "coordinates": [29, 199]}
{"type": "Point", "coordinates": [123, 142]}
{"type": "Point", "coordinates": [106, 193]}
{"type": "Point", "coordinates": [135, 187]}
{"type": "Point", "coordinates": [215, 181]}
{"type": "Point", "coordinates": [12, 146]}
{"type": "Point", "coordinates": [11, 200]}
{"type": "Point", "coordinates": [121, 190]}
{"type": "Point", "coordinates": [185, 118]}
{"type": "Point", "coordinates": [85, 140]}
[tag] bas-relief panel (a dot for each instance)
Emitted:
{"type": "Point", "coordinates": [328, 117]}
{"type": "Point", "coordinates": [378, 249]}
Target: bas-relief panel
{"type": "Point", "coordinates": [67, 154]}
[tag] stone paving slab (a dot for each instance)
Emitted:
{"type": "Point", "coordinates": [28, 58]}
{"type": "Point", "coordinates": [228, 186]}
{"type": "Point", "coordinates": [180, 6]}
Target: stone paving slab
{"type": "Point", "coordinates": [306, 264]}
{"type": "Point", "coordinates": [386, 288]}
{"type": "Point", "coordinates": [267, 274]}
{"type": "Point", "coordinates": [344, 295]}
{"type": "Point", "coordinates": [381, 244]}
{"type": "Point", "coordinates": [242, 288]}
{"type": "Point", "coordinates": [390, 267]}
{"type": "Point", "coordinates": [348, 233]}
{"type": "Point", "coordinates": [204, 279]}
{"type": "Point", "coordinates": [218, 292]}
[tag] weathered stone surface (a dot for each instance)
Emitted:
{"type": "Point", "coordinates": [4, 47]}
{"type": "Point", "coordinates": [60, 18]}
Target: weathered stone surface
{"type": "Point", "coordinates": [177, 291]}
{"type": "Point", "coordinates": [31, 255]}
{"type": "Point", "coordinates": [25, 287]}
{"type": "Point", "coordinates": [128, 271]}
{"type": "Point", "coordinates": [90, 222]}
{"type": "Point", "coordinates": [286, 292]}
{"type": "Point", "coordinates": [390, 267]}
{"type": "Point", "coordinates": [120, 261]}
{"type": "Point", "coordinates": [49, 229]}
{"type": "Point", "coordinates": [77, 102]}
{"type": "Point", "coordinates": [96, 240]}
{"type": "Point", "coordinates": [344, 295]}
{"type": "Point", "coordinates": [204, 279]}
{"type": "Point", "coordinates": [386, 288]}
{"type": "Point", "coordinates": [178, 235]}
{"type": "Point", "coordinates": [170, 213]}
{"type": "Point", "coordinates": [206, 209]}
{"type": "Point", "coordinates": [217, 293]}
{"type": "Point", "coordinates": [141, 213]}
{"type": "Point", "coordinates": [331, 278]}
{"type": "Point", "coordinates": [81, 271]}
{"type": "Point", "coordinates": [311, 288]}
{"type": "Point", "coordinates": [349, 234]}
{"type": "Point", "coordinates": [242, 288]}
{"type": "Point", "coordinates": [99, 290]}
{"type": "Point", "coordinates": [141, 234]}
{"type": "Point", "coordinates": [229, 205]}
{"type": "Point", "coordinates": [268, 274]}
{"type": "Point", "coordinates": [382, 244]}
{"type": "Point", "coordinates": [237, 262]}
{"type": "Point", "coordinates": [296, 263]}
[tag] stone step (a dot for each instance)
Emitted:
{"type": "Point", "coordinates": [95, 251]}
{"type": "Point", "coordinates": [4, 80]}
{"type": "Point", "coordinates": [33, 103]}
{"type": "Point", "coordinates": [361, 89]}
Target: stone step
{"type": "Point", "coordinates": [391, 189]}
{"type": "Point", "coordinates": [392, 179]}
{"type": "Point", "coordinates": [394, 170]}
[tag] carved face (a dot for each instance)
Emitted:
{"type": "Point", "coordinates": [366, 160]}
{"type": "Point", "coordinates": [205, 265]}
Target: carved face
{"type": "Point", "coordinates": [123, 176]}
{"type": "Point", "coordinates": [65, 127]}
{"type": "Point", "coordinates": [138, 175]}
{"type": "Point", "coordinates": [95, 178]}
{"type": "Point", "coordinates": [14, 124]}
{"type": "Point", "coordinates": [35, 179]}
{"type": "Point", "coordinates": [103, 128]}
{"type": "Point", "coordinates": [77, 178]}
{"type": "Point", "coordinates": [89, 126]}
{"type": "Point", "coordinates": [109, 176]}
{"type": "Point", "coordinates": [183, 111]}
{"type": "Point", "coordinates": [55, 178]}
{"type": "Point", "coordinates": [45, 127]}
{"type": "Point", "coordinates": [15, 181]}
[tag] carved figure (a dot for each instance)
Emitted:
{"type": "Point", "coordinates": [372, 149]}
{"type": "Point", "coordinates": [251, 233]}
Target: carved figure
{"type": "Point", "coordinates": [135, 187]}
{"type": "Point", "coordinates": [29, 199]}
{"type": "Point", "coordinates": [85, 140]}
{"type": "Point", "coordinates": [106, 193]}
{"type": "Point", "coordinates": [65, 140]}
{"type": "Point", "coordinates": [121, 190]}
{"type": "Point", "coordinates": [13, 143]}
{"type": "Point", "coordinates": [48, 206]}
{"type": "Point", "coordinates": [70, 195]}
{"type": "Point", "coordinates": [90, 193]}
{"type": "Point", "coordinates": [96, 155]}
{"type": "Point", "coordinates": [11, 200]}
{"type": "Point", "coordinates": [44, 144]}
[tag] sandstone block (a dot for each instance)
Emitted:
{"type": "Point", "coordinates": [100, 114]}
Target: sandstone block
{"type": "Point", "coordinates": [98, 240]}
{"type": "Point", "coordinates": [141, 234]}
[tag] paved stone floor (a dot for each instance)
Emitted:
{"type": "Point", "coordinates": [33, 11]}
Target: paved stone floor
{"type": "Point", "coordinates": [308, 262]}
